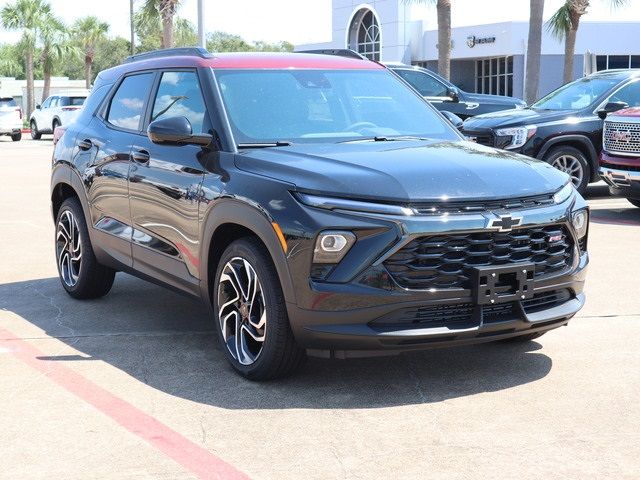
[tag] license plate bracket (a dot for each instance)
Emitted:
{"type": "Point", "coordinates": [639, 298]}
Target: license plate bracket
{"type": "Point", "coordinates": [501, 284]}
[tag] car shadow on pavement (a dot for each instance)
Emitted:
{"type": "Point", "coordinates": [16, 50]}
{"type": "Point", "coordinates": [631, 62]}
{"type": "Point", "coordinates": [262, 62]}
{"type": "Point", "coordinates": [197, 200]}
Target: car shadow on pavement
{"type": "Point", "coordinates": [167, 341]}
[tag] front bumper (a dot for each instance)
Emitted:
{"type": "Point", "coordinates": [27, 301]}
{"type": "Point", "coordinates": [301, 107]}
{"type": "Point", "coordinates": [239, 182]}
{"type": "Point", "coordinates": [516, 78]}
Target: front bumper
{"type": "Point", "coordinates": [348, 315]}
{"type": "Point", "coordinates": [622, 182]}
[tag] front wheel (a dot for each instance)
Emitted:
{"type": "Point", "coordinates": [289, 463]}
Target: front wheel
{"type": "Point", "coordinates": [80, 273]}
{"type": "Point", "coordinates": [634, 202]}
{"type": "Point", "coordinates": [35, 134]}
{"type": "Point", "coordinates": [250, 313]}
{"type": "Point", "coordinates": [16, 137]}
{"type": "Point", "coordinates": [54, 125]}
{"type": "Point", "coordinates": [573, 162]}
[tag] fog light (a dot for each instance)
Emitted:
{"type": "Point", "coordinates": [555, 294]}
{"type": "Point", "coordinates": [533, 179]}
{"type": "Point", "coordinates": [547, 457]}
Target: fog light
{"type": "Point", "coordinates": [332, 246]}
{"type": "Point", "coordinates": [580, 222]}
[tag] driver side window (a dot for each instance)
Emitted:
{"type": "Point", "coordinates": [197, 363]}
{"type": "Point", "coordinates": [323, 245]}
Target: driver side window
{"type": "Point", "coordinates": [629, 94]}
{"type": "Point", "coordinates": [179, 95]}
{"type": "Point", "coordinates": [424, 83]}
{"type": "Point", "coordinates": [46, 103]}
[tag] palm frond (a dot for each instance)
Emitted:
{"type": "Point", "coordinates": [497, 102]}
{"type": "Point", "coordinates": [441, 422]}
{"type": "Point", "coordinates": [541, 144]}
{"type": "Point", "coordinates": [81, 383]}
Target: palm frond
{"type": "Point", "coordinates": [560, 22]}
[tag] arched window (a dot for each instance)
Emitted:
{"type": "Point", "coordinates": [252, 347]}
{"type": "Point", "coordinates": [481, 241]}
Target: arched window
{"type": "Point", "coordinates": [364, 34]}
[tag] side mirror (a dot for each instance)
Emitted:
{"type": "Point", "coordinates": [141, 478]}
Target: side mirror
{"type": "Point", "coordinates": [611, 107]}
{"type": "Point", "coordinates": [453, 119]}
{"type": "Point", "coordinates": [453, 93]}
{"type": "Point", "coordinates": [38, 106]}
{"type": "Point", "coordinates": [176, 131]}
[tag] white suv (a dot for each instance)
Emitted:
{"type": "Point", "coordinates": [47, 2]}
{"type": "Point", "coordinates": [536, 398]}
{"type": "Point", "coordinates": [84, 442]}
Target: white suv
{"type": "Point", "coordinates": [57, 110]}
{"type": "Point", "coordinates": [10, 118]}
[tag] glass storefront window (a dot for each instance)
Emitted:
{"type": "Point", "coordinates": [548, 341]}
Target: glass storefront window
{"type": "Point", "coordinates": [495, 76]}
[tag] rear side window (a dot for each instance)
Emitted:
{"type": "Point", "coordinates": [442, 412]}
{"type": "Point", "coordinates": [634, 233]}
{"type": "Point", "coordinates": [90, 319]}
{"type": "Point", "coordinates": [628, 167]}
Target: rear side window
{"type": "Point", "coordinates": [7, 102]}
{"type": "Point", "coordinates": [179, 95]}
{"type": "Point", "coordinates": [127, 104]}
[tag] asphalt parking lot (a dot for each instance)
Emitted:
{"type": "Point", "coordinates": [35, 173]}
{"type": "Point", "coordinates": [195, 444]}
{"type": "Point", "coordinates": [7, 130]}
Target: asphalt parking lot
{"type": "Point", "coordinates": [133, 385]}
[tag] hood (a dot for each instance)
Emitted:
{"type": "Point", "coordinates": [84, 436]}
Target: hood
{"type": "Point", "coordinates": [626, 112]}
{"type": "Point", "coordinates": [516, 117]}
{"type": "Point", "coordinates": [404, 171]}
{"type": "Point", "coordinates": [484, 98]}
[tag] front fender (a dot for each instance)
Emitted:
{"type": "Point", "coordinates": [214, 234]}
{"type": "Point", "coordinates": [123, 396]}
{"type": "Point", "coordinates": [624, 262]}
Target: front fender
{"type": "Point", "coordinates": [238, 212]}
{"type": "Point", "coordinates": [584, 141]}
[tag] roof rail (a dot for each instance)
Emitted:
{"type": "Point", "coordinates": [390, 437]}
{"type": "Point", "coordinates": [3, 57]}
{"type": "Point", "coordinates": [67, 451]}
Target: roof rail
{"type": "Point", "coordinates": [340, 52]}
{"type": "Point", "coordinates": [170, 52]}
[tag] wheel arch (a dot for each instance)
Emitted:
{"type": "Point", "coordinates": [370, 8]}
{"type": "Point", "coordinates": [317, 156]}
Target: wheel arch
{"type": "Point", "coordinates": [229, 220]}
{"type": "Point", "coordinates": [580, 142]}
{"type": "Point", "coordinates": [66, 183]}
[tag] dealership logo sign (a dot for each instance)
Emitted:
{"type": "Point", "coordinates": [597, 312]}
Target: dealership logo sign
{"type": "Point", "coordinates": [472, 40]}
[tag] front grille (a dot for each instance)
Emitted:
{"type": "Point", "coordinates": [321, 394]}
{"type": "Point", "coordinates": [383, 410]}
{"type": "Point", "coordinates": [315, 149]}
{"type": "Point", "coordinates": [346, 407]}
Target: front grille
{"type": "Point", "coordinates": [622, 137]}
{"type": "Point", "coordinates": [466, 315]}
{"type": "Point", "coordinates": [629, 168]}
{"type": "Point", "coordinates": [481, 137]}
{"type": "Point", "coordinates": [438, 208]}
{"type": "Point", "coordinates": [445, 261]}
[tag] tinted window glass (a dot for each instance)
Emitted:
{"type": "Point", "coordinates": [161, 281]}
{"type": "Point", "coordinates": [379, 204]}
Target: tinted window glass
{"type": "Point", "coordinates": [72, 101]}
{"type": "Point", "coordinates": [127, 105]}
{"type": "Point", "coordinates": [54, 102]}
{"type": "Point", "coordinates": [265, 106]}
{"type": "Point", "coordinates": [179, 95]}
{"type": "Point", "coordinates": [424, 83]}
{"type": "Point", "coordinates": [7, 102]}
{"type": "Point", "coordinates": [629, 94]}
{"type": "Point", "coordinates": [46, 103]}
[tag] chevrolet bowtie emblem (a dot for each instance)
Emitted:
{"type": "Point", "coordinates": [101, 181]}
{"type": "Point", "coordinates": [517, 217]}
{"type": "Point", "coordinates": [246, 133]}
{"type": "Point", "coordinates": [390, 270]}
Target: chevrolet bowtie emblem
{"type": "Point", "coordinates": [504, 223]}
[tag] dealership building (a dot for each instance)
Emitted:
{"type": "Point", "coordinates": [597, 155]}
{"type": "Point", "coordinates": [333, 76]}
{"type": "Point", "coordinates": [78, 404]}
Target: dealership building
{"type": "Point", "coordinates": [487, 58]}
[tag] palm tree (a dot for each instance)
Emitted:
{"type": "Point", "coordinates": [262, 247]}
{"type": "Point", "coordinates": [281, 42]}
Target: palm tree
{"type": "Point", "coordinates": [443, 9]}
{"type": "Point", "coordinates": [26, 15]}
{"type": "Point", "coordinates": [55, 46]}
{"type": "Point", "coordinates": [87, 32]}
{"type": "Point", "coordinates": [165, 10]}
{"type": "Point", "coordinates": [534, 47]}
{"type": "Point", "coordinates": [564, 25]}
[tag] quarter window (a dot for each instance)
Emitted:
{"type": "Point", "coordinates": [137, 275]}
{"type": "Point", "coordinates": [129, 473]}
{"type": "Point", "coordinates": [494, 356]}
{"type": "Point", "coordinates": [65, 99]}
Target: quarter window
{"type": "Point", "coordinates": [179, 95]}
{"type": "Point", "coordinates": [127, 105]}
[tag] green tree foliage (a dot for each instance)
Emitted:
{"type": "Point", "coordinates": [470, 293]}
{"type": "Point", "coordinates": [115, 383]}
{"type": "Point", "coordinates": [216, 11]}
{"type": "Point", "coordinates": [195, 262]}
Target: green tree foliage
{"type": "Point", "coordinates": [227, 42]}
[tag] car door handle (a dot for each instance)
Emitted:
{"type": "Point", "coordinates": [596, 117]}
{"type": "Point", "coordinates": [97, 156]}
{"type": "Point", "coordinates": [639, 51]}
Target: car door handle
{"type": "Point", "coordinates": [85, 144]}
{"type": "Point", "coordinates": [140, 156]}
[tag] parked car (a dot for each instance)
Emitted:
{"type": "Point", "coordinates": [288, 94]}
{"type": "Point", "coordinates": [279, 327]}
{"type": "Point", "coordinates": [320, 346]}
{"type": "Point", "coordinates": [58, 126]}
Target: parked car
{"type": "Point", "coordinates": [10, 118]}
{"type": "Point", "coordinates": [55, 111]}
{"type": "Point", "coordinates": [564, 128]}
{"type": "Point", "coordinates": [620, 157]}
{"type": "Point", "coordinates": [446, 96]}
{"type": "Point", "coordinates": [316, 204]}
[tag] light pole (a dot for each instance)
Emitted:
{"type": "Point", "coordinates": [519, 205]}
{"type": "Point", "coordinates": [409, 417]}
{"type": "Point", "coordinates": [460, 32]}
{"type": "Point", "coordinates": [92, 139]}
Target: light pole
{"type": "Point", "coordinates": [202, 40]}
{"type": "Point", "coordinates": [133, 40]}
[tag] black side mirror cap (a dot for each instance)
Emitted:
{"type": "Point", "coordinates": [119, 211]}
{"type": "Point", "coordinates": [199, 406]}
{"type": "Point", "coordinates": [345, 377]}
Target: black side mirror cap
{"type": "Point", "coordinates": [176, 131]}
{"type": "Point", "coordinates": [38, 106]}
{"type": "Point", "coordinates": [453, 93]}
{"type": "Point", "coordinates": [453, 119]}
{"type": "Point", "coordinates": [611, 107]}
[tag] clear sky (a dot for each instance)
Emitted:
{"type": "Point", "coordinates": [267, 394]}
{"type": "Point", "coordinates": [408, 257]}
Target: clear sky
{"type": "Point", "coordinates": [308, 21]}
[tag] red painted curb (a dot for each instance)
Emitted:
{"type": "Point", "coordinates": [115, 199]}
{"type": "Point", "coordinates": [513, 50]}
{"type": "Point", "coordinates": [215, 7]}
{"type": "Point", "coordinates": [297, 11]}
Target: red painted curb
{"type": "Point", "coordinates": [183, 451]}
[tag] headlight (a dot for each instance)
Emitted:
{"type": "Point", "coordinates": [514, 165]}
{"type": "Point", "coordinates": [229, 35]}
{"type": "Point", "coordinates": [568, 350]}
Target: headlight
{"type": "Point", "coordinates": [564, 193]}
{"type": "Point", "coordinates": [519, 135]}
{"type": "Point", "coordinates": [580, 221]}
{"type": "Point", "coordinates": [332, 246]}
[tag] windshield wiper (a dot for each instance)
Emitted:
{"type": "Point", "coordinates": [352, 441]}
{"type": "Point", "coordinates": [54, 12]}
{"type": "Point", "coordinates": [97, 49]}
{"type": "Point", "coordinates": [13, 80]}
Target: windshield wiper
{"type": "Point", "coordinates": [399, 138]}
{"type": "Point", "coordinates": [279, 143]}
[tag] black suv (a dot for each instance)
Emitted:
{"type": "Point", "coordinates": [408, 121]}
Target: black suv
{"type": "Point", "coordinates": [447, 97]}
{"type": "Point", "coordinates": [316, 204]}
{"type": "Point", "coordinates": [564, 128]}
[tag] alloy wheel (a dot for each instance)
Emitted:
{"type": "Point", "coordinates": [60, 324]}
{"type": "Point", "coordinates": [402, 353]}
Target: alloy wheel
{"type": "Point", "coordinates": [571, 166]}
{"type": "Point", "coordinates": [68, 248]}
{"type": "Point", "coordinates": [241, 311]}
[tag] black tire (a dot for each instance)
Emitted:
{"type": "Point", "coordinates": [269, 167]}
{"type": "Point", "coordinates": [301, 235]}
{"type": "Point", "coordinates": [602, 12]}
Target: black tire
{"type": "Point", "coordinates": [93, 280]}
{"type": "Point", "coordinates": [524, 338]}
{"type": "Point", "coordinates": [634, 202]}
{"type": "Point", "coordinates": [16, 137]}
{"type": "Point", "coordinates": [555, 156]}
{"type": "Point", "coordinates": [279, 355]}
{"type": "Point", "coordinates": [35, 134]}
{"type": "Point", "coordinates": [54, 125]}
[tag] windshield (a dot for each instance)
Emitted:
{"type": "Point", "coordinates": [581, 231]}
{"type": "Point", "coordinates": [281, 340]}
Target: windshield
{"type": "Point", "coordinates": [577, 95]}
{"type": "Point", "coordinates": [269, 106]}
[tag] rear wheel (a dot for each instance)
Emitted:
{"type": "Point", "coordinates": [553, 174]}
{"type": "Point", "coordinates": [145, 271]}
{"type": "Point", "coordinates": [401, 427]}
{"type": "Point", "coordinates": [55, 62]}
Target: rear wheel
{"type": "Point", "coordinates": [250, 313]}
{"type": "Point", "coordinates": [635, 203]}
{"type": "Point", "coordinates": [80, 273]}
{"type": "Point", "coordinates": [571, 161]}
{"type": "Point", "coordinates": [16, 137]}
{"type": "Point", "coordinates": [35, 134]}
